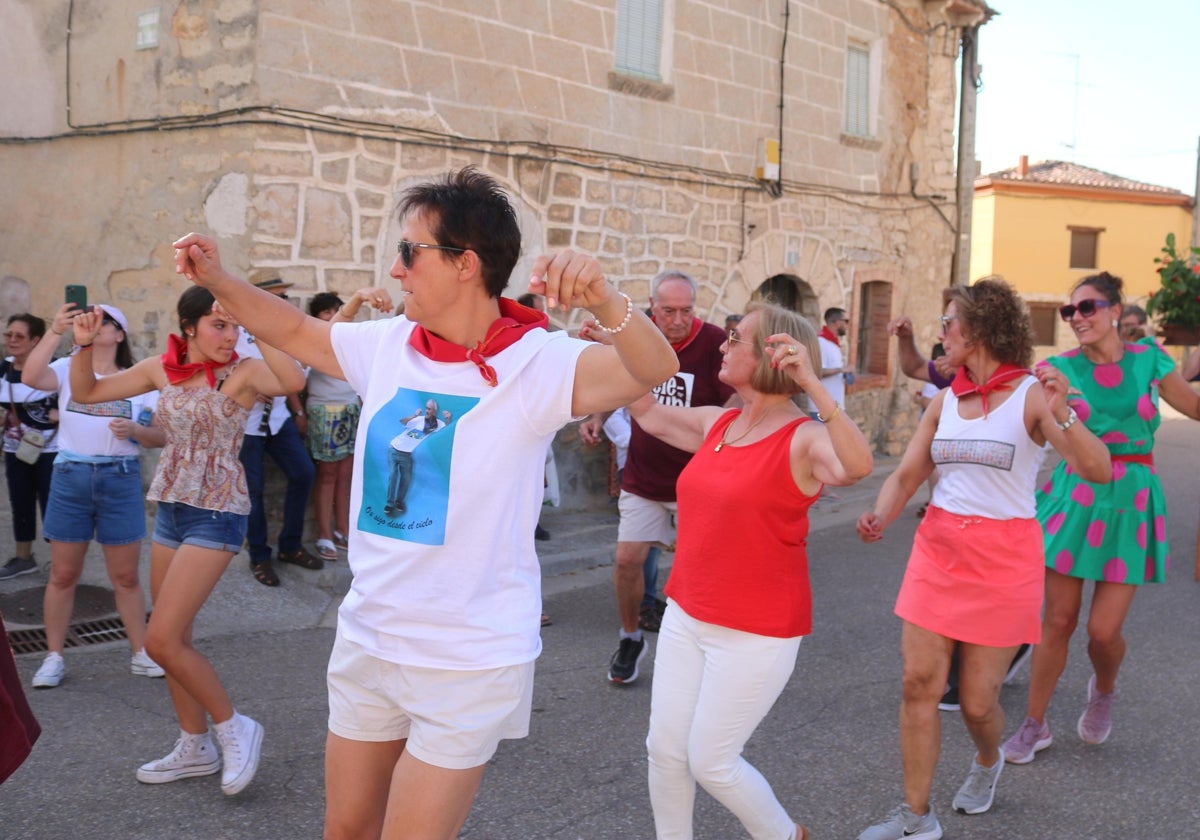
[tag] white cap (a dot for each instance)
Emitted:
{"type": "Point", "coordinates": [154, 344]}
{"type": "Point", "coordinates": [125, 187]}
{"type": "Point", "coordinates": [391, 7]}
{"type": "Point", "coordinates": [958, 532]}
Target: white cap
{"type": "Point", "coordinates": [116, 314]}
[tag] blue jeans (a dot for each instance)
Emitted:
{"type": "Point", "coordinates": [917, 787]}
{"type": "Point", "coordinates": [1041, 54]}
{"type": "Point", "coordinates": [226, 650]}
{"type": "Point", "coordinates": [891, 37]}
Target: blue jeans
{"type": "Point", "coordinates": [287, 450]}
{"type": "Point", "coordinates": [104, 499]}
{"type": "Point", "coordinates": [650, 577]}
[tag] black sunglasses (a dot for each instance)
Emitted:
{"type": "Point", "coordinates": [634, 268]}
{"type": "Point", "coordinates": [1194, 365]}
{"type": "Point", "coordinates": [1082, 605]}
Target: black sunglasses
{"type": "Point", "coordinates": [407, 250]}
{"type": "Point", "coordinates": [1086, 308]}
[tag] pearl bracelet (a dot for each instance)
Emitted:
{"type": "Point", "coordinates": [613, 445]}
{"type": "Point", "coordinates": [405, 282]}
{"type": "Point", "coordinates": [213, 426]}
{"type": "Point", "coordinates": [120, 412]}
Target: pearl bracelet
{"type": "Point", "coordinates": [624, 321]}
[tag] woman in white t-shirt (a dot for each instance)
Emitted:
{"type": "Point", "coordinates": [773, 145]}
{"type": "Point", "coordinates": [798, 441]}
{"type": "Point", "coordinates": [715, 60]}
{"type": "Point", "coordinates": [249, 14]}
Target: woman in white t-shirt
{"type": "Point", "coordinates": [96, 489]}
{"type": "Point", "coordinates": [433, 661]}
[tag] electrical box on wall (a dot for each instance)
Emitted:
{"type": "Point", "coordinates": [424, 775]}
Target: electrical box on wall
{"type": "Point", "coordinates": [767, 166]}
{"type": "Point", "coordinates": [147, 30]}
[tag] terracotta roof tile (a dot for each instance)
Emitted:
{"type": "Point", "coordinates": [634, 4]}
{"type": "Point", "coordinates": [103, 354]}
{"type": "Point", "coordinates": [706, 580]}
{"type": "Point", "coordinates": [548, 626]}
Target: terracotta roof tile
{"type": "Point", "coordinates": [1072, 174]}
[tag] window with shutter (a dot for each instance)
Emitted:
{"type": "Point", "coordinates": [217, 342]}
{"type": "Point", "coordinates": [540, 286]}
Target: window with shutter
{"type": "Point", "coordinates": [1044, 317]}
{"type": "Point", "coordinates": [639, 38]}
{"type": "Point", "coordinates": [1084, 245]}
{"type": "Point", "coordinates": [874, 313]}
{"type": "Point", "coordinates": [858, 91]}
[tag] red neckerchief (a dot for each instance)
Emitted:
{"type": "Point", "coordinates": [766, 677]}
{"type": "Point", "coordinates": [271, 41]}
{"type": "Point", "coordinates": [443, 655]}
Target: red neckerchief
{"type": "Point", "coordinates": [830, 334]}
{"type": "Point", "coordinates": [962, 386]}
{"type": "Point", "coordinates": [515, 320]}
{"type": "Point", "coordinates": [178, 368]}
{"type": "Point", "coordinates": [695, 331]}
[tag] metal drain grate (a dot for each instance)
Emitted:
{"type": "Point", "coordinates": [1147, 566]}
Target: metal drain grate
{"type": "Point", "coordinates": [85, 633]}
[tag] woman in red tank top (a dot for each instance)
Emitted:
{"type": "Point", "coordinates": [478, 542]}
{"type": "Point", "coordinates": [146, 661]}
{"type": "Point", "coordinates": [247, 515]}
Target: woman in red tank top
{"type": "Point", "coordinates": [738, 598]}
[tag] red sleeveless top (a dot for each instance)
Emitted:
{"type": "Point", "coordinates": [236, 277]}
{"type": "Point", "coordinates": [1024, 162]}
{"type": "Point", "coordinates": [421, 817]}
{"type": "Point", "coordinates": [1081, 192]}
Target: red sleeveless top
{"type": "Point", "coordinates": [741, 557]}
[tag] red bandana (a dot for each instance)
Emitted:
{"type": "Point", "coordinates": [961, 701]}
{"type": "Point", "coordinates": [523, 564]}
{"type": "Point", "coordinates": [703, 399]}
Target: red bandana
{"type": "Point", "coordinates": [178, 369]}
{"type": "Point", "coordinates": [830, 334]}
{"type": "Point", "coordinates": [515, 320]}
{"type": "Point", "coordinates": [962, 386]}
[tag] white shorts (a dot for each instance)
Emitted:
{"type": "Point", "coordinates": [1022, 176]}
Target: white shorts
{"type": "Point", "coordinates": [452, 719]}
{"type": "Point", "coordinates": [644, 520]}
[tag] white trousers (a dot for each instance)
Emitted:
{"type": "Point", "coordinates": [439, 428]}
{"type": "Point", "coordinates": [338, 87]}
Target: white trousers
{"type": "Point", "coordinates": [712, 687]}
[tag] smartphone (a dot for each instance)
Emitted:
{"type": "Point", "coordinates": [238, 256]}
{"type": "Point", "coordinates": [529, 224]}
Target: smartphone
{"type": "Point", "coordinates": [77, 295]}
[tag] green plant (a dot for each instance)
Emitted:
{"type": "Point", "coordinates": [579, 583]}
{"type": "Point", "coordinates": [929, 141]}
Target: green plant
{"type": "Point", "coordinates": [1177, 300]}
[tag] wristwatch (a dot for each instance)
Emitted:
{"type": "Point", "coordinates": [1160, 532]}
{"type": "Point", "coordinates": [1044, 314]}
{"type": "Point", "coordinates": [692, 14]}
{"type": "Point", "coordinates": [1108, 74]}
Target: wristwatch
{"type": "Point", "coordinates": [1072, 419]}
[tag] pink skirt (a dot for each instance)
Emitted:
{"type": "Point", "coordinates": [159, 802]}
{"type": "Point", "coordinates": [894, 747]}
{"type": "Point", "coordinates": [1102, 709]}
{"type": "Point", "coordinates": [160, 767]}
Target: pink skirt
{"type": "Point", "coordinates": [975, 580]}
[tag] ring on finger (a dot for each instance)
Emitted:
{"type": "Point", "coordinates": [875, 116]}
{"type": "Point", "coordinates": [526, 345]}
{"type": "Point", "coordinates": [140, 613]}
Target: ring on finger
{"type": "Point", "coordinates": [791, 350]}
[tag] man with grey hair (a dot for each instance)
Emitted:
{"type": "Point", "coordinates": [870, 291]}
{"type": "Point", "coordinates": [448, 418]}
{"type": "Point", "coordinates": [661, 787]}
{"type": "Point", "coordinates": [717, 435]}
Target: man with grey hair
{"type": "Point", "coordinates": [647, 500]}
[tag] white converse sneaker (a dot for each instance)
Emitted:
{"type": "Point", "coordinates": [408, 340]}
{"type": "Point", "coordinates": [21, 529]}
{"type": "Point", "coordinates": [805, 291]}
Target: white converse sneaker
{"type": "Point", "coordinates": [241, 742]}
{"type": "Point", "coordinates": [141, 665]}
{"type": "Point", "coordinates": [194, 755]}
{"type": "Point", "coordinates": [51, 672]}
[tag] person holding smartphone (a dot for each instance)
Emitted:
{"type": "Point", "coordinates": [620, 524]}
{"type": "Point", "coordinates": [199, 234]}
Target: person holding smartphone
{"type": "Point", "coordinates": [96, 489]}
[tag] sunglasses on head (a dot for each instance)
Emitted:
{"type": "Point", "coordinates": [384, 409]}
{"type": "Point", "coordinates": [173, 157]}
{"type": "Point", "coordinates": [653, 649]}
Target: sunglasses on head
{"type": "Point", "coordinates": [1086, 308]}
{"type": "Point", "coordinates": [407, 250]}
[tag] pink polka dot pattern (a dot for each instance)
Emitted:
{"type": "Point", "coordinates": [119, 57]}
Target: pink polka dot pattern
{"type": "Point", "coordinates": [1136, 348]}
{"type": "Point", "coordinates": [1047, 486]}
{"type": "Point", "coordinates": [1160, 528]}
{"type": "Point", "coordinates": [1095, 533]}
{"type": "Point", "coordinates": [1146, 408]}
{"type": "Point", "coordinates": [1148, 575]}
{"type": "Point", "coordinates": [1081, 408]}
{"type": "Point", "coordinates": [1114, 437]}
{"type": "Point", "coordinates": [1064, 562]}
{"type": "Point", "coordinates": [1054, 523]}
{"type": "Point", "coordinates": [1114, 571]}
{"type": "Point", "coordinates": [1119, 470]}
{"type": "Point", "coordinates": [1083, 495]}
{"type": "Point", "coordinates": [1108, 376]}
{"type": "Point", "coordinates": [1141, 498]}
{"type": "Point", "coordinates": [1141, 535]}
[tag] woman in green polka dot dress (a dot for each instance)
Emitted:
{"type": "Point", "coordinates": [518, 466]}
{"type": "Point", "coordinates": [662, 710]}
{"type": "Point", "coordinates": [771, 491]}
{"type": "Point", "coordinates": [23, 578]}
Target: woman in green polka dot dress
{"type": "Point", "coordinates": [1113, 534]}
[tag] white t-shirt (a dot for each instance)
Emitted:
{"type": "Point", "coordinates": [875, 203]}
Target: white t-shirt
{"type": "Point", "coordinates": [246, 348]}
{"type": "Point", "coordinates": [83, 429]}
{"type": "Point", "coordinates": [831, 357]}
{"type": "Point", "coordinates": [33, 409]}
{"type": "Point", "coordinates": [453, 581]}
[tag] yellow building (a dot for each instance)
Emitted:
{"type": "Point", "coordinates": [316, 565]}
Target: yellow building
{"type": "Point", "coordinates": [1044, 226]}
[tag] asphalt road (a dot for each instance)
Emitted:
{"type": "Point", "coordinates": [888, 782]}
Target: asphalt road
{"type": "Point", "coordinates": [829, 747]}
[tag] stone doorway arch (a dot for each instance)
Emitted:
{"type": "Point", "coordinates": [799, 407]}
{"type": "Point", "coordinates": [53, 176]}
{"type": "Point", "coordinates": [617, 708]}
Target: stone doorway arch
{"type": "Point", "coordinates": [790, 292]}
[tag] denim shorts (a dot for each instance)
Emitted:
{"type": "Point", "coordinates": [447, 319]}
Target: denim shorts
{"type": "Point", "coordinates": [178, 524]}
{"type": "Point", "coordinates": [101, 499]}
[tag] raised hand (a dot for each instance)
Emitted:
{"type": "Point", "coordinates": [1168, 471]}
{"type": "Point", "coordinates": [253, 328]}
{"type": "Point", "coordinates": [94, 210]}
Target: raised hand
{"type": "Point", "coordinates": [568, 279]}
{"type": "Point", "coordinates": [86, 325]}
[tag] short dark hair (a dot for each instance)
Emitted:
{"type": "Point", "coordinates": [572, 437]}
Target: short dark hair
{"type": "Point", "coordinates": [1136, 311]}
{"type": "Point", "coordinates": [834, 313]}
{"type": "Point", "coordinates": [37, 327]}
{"type": "Point", "coordinates": [468, 210]}
{"type": "Point", "coordinates": [1106, 284]}
{"type": "Point", "coordinates": [323, 301]}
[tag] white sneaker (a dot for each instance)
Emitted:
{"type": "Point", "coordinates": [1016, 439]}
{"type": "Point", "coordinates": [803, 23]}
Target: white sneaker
{"type": "Point", "coordinates": [194, 755]}
{"type": "Point", "coordinates": [141, 665]}
{"type": "Point", "coordinates": [51, 672]}
{"type": "Point", "coordinates": [241, 743]}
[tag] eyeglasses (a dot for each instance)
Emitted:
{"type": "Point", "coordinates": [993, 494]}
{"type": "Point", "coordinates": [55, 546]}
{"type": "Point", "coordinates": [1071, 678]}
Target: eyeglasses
{"type": "Point", "coordinates": [9, 336]}
{"type": "Point", "coordinates": [110, 321]}
{"type": "Point", "coordinates": [944, 321]}
{"type": "Point", "coordinates": [733, 337]}
{"type": "Point", "coordinates": [407, 250]}
{"type": "Point", "coordinates": [1087, 308]}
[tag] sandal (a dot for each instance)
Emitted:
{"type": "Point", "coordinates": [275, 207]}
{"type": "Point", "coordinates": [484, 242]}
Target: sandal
{"type": "Point", "coordinates": [327, 550]}
{"type": "Point", "coordinates": [264, 573]}
{"type": "Point", "coordinates": [921, 510]}
{"type": "Point", "coordinates": [301, 558]}
{"type": "Point", "coordinates": [339, 539]}
{"type": "Point", "coordinates": [546, 620]}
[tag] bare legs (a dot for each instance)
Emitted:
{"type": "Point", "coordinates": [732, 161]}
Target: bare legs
{"type": "Point", "coordinates": [1106, 643]}
{"type": "Point", "coordinates": [331, 497]}
{"type": "Point", "coordinates": [66, 566]}
{"type": "Point", "coordinates": [379, 790]}
{"type": "Point", "coordinates": [629, 582]}
{"type": "Point", "coordinates": [926, 664]}
{"type": "Point", "coordinates": [180, 582]}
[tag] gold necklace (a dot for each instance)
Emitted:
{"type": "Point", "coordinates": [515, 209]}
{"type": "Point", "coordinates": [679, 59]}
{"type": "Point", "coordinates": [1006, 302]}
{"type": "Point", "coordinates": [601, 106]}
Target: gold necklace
{"type": "Point", "coordinates": [743, 434]}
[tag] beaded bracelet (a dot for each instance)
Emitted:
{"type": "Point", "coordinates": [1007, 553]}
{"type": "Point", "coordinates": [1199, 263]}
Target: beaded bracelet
{"type": "Point", "coordinates": [837, 409]}
{"type": "Point", "coordinates": [624, 321]}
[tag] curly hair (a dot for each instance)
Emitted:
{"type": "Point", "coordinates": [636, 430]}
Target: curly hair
{"type": "Point", "coordinates": [774, 319]}
{"type": "Point", "coordinates": [992, 313]}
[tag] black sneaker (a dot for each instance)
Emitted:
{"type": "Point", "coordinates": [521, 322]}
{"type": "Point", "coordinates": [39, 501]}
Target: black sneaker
{"type": "Point", "coordinates": [540, 533]}
{"type": "Point", "coordinates": [623, 668]}
{"type": "Point", "coordinates": [949, 701]}
{"type": "Point", "coordinates": [18, 566]}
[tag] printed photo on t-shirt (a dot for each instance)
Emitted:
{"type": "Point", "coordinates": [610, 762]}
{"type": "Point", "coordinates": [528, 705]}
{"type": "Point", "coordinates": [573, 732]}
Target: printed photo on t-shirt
{"type": "Point", "coordinates": [406, 465]}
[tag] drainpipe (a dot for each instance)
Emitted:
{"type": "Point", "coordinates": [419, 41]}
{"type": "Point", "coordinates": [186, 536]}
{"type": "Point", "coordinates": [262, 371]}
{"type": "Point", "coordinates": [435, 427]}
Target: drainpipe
{"type": "Point", "coordinates": [965, 191]}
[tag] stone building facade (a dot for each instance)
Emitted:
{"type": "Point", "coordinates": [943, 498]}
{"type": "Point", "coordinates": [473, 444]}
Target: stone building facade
{"type": "Point", "coordinates": [289, 128]}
